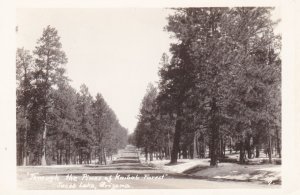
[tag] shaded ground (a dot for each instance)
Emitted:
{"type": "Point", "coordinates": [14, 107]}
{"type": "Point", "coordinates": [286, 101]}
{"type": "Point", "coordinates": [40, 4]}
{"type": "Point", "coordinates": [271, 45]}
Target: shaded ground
{"type": "Point", "coordinates": [125, 172]}
{"type": "Point", "coordinates": [263, 173]}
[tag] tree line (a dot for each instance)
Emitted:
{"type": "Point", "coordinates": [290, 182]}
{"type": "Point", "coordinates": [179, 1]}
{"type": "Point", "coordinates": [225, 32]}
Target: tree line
{"type": "Point", "coordinates": [220, 90]}
{"type": "Point", "coordinates": [55, 123]}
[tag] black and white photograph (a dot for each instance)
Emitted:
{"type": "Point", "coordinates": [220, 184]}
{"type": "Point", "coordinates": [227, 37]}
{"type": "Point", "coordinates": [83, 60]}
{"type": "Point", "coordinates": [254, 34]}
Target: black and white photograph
{"type": "Point", "coordinates": [183, 97]}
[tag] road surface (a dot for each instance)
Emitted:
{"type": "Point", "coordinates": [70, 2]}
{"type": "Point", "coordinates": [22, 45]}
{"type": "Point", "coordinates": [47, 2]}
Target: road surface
{"type": "Point", "coordinates": [125, 172]}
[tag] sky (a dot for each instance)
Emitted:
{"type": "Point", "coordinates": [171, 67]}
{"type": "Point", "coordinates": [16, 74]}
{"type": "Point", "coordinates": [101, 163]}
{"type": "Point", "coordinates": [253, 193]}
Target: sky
{"type": "Point", "coordinates": [114, 51]}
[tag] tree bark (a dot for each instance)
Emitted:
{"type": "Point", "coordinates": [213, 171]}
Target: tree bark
{"type": "Point", "coordinates": [222, 147]}
{"type": "Point", "coordinates": [204, 148]}
{"type": "Point", "coordinates": [25, 155]}
{"type": "Point", "coordinates": [257, 151]}
{"type": "Point", "coordinates": [80, 156]}
{"type": "Point", "coordinates": [270, 147]}
{"type": "Point", "coordinates": [214, 136]}
{"type": "Point", "coordinates": [278, 143]}
{"type": "Point", "coordinates": [195, 145]}
{"type": "Point", "coordinates": [175, 149]}
{"type": "Point", "coordinates": [146, 153]}
{"type": "Point", "coordinates": [191, 152]}
{"type": "Point", "coordinates": [43, 160]}
{"type": "Point", "coordinates": [257, 146]}
{"type": "Point", "coordinates": [104, 156]}
{"type": "Point", "coordinates": [213, 151]}
{"type": "Point", "coordinates": [60, 156]}
{"type": "Point", "coordinates": [99, 156]}
{"type": "Point", "coordinates": [242, 151]}
{"type": "Point", "coordinates": [68, 159]}
{"type": "Point", "coordinates": [249, 147]}
{"type": "Point", "coordinates": [230, 145]}
{"type": "Point", "coordinates": [169, 146]}
{"type": "Point", "coordinates": [184, 152]}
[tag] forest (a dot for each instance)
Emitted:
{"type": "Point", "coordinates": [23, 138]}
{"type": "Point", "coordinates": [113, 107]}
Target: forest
{"type": "Point", "coordinates": [55, 123]}
{"type": "Point", "coordinates": [219, 89]}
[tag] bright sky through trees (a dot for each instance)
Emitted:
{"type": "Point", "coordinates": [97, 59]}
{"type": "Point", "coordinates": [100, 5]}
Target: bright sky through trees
{"type": "Point", "coordinates": [113, 51]}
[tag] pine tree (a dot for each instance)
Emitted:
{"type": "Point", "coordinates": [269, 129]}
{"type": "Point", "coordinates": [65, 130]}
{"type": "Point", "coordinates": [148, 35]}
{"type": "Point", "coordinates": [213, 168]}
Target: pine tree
{"type": "Point", "coordinates": [49, 61]}
{"type": "Point", "coordinates": [24, 63]}
{"type": "Point", "coordinates": [209, 73]}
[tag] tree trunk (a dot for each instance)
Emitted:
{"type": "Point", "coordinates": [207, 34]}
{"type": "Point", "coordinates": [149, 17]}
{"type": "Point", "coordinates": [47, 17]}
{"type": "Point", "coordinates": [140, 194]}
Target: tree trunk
{"type": "Point", "coordinates": [80, 156]}
{"type": "Point", "coordinates": [104, 156]}
{"type": "Point", "coordinates": [278, 143]}
{"type": "Point", "coordinates": [43, 160]}
{"type": "Point", "coordinates": [222, 147]}
{"type": "Point", "coordinates": [213, 151]}
{"type": "Point", "coordinates": [214, 136]}
{"type": "Point", "coordinates": [58, 157]}
{"type": "Point", "coordinates": [195, 145]}
{"type": "Point", "coordinates": [184, 152]}
{"type": "Point", "coordinates": [146, 153]}
{"type": "Point", "coordinates": [175, 149]}
{"type": "Point", "coordinates": [167, 152]}
{"type": "Point", "coordinates": [99, 156]}
{"type": "Point", "coordinates": [202, 149]}
{"type": "Point", "coordinates": [270, 148]}
{"type": "Point", "coordinates": [25, 155]}
{"type": "Point", "coordinates": [230, 145]}
{"type": "Point", "coordinates": [249, 148]}
{"type": "Point", "coordinates": [68, 152]}
{"type": "Point", "coordinates": [257, 146]}
{"type": "Point", "coordinates": [257, 149]}
{"type": "Point", "coordinates": [66, 157]}
{"type": "Point", "coordinates": [242, 151]}
{"type": "Point", "coordinates": [169, 145]}
{"type": "Point", "coordinates": [191, 152]}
